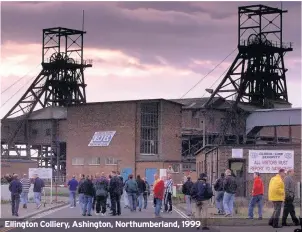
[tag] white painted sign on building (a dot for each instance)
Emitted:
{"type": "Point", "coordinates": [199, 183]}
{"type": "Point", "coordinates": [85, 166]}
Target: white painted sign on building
{"type": "Point", "coordinates": [237, 153]}
{"type": "Point", "coordinates": [270, 161]}
{"type": "Point", "coordinates": [43, 173]}
{"type": "Point", "coordinates": [101, 139]}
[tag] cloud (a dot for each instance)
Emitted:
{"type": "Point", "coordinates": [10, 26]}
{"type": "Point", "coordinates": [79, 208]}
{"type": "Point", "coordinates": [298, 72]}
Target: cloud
{"type": "Point", "coordinates": [139, 49]}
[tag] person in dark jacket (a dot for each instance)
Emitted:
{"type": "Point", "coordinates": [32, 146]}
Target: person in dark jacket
{"type": "Point", "coordinates": [93, 179]}
{"type": "Point", "coordinates": [15, 187]}
{"type": "Point", "coordinates": [80, 191]}
{"type": "Point", "coordinates": [201, 193]}
{"type": "Point", "coordinates": [132, 191]}
{"type": "Point", "coordinates": [109, 198]}
{"type": "Point", "coordinates": [38, 189]}
{"type": "Point", "coordinates": [186, 190]}
{"type": "Point", "coordinates": [290, 191]}
{"type": "Point", "coordinates": [73, 185]}
{"type": "Point", "coordinates": [146, 193]}
{"type": "Point", "coordinates": [120, 176]}
{"type": "Point", "coordinates": [89, 193]}
{"type": "Point", "coordinates": [218, 187]}
{"type": "Point", "coordinates": [230, 189]}
{"type": "Point", "coordinates": [115, 190]}
{"type": "Point", "coordinates": [101, 186]}
{"type": "Point", "coordinates": [141, 189]}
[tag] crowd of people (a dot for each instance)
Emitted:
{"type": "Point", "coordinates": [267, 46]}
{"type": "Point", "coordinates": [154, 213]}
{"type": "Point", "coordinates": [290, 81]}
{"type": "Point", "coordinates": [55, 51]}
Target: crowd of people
{"type": "Point", "coordinates": [99, 192]}
{"type": "Point", "coordinates": [281, 191]}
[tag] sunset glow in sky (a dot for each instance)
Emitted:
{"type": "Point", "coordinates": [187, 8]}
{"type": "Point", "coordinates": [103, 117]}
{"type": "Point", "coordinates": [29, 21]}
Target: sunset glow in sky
{"type": "Point", "coordinates": [139, 50]}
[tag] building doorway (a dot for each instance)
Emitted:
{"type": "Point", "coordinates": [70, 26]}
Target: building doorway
{"type": "Point", "coordinates": [238, 168]}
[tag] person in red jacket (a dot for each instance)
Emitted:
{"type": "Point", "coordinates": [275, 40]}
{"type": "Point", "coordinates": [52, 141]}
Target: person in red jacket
{"type": "Point", "coordinates": [257, 197]}
{"type": "Point", "coordinates": [158, 191]}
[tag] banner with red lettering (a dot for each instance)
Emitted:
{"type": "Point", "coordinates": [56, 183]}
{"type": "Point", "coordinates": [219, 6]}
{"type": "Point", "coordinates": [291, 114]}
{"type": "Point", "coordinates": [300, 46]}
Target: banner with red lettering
{"type": "Point", "coordinates": [270, 161]}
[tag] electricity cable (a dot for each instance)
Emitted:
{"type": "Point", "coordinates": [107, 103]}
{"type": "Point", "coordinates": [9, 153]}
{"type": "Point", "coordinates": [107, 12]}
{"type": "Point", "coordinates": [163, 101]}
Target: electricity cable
{"type": "Point", "coordinates": [208, 73]}
{"type": "Point", "coordinates": [19, 79]}
{"type": "Point", "coordinates": [216, 81]}
{"type": "Point", "coordinates": [31, 79]}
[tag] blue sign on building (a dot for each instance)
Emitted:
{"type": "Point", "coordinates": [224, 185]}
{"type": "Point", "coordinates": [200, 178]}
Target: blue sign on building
{"type": "Point", "coordinates": [101, 139]}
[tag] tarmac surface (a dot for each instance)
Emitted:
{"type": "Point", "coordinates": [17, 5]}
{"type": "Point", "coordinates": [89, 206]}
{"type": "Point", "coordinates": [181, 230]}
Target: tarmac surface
{"type": "Point", "coordinates": [70, 219]}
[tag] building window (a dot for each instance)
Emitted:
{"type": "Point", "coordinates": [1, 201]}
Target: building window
{"type": "Point", "coordinates": [176, 168]}
{"type": "Point", "coordinates": [34, 132]}
{"type": "Point", "coordinates": [47, 132]}
{"type": "Point", "coordinates": [77, 161]}
{"type": "Point", "coordinates": [94, 161]}
{"type": "Point", "coordinates": [149, 128]}
{"type": "Point", "coordinates": [111, 161]}
{"type": "Point", "coordinates": [186, 167]}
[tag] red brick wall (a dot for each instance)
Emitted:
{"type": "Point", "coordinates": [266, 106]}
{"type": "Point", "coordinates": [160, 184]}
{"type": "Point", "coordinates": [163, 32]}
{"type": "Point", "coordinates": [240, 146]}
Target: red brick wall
{"type": "Point", "coordinates": [171, 131]}
{"type": "Point", "coordinates": [84, 121]}
{"type": "Point", "coordinates": [124, 118]}
{"type": "Point", "coordinates": [20, 168]}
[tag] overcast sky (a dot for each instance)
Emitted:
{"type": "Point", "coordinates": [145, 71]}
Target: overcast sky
{"type": "Point", "coordinates": [140, 50]}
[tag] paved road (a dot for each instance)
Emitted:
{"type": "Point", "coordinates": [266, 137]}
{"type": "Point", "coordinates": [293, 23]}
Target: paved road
{"type": "Point", "coordinates": [74, 217]}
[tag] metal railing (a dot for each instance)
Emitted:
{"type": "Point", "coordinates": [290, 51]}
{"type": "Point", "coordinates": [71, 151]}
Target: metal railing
{"type": "Point", "coordinates": [268, 43]}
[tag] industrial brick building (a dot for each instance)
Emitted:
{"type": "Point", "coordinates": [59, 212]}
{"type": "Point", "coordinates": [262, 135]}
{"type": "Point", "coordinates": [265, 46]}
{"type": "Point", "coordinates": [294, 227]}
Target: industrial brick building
{"type": "Point", "coordinates": [147, 137]}
{"type": "Point", "coordinates": [218, 159]}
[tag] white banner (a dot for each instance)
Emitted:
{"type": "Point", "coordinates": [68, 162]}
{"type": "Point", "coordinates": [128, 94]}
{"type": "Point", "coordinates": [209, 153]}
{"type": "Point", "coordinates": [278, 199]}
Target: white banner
{"type": "Point", "coordinates": [270, 161]}
{"type": "Point", "coordinates": [43, 173]}
{"type": "Point", "coordinates": [101, 139]}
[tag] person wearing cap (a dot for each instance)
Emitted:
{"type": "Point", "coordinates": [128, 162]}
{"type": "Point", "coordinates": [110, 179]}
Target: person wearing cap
{"type": "Point", "coordinates": [289, 207]}
{"type": "Point", "coordinates": [186, 190]}
{"type": "Point", "coordinates": [257, 197]}
{"type": "Point", "coordinates": [201, 193]}
{"type": "Point", "coordinates": [276, 194]}
{"type": "Point", "coordinates": [25, 189]}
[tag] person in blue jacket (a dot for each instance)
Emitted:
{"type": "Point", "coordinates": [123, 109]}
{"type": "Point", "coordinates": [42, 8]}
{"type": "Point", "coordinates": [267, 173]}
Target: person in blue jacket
{"type": "Point", "coordinates": [15, 187]}
{"type": "Point", "coordinates": [73, 185]}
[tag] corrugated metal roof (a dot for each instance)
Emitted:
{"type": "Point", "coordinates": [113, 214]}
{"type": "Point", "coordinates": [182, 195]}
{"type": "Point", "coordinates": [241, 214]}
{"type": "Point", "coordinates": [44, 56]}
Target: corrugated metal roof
{"type": "Point", "coordinates": [193, 103]}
